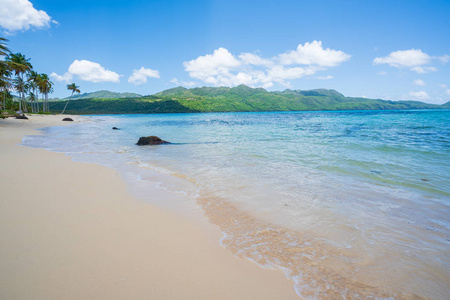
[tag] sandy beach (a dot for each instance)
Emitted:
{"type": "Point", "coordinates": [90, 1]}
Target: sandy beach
{"type": "Point", "coordinates": [70, 230]}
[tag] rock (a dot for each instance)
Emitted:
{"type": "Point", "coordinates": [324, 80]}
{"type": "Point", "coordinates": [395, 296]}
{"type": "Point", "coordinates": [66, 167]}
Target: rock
{"type": "Point", "coordinates": [67, 119]}
{"type": "Point", "coordinates": [115, 128]}
{"type": "Point", "coordinates": [22, 116]}
{"type": "Point", "coordinates": [150, 140]}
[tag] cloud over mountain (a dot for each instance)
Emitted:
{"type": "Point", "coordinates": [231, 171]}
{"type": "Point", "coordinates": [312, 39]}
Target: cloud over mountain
{"type": "Point", "coordinates": [222, 68]}
{"type": "Point", "coordinates": [139, 77]}
{"type": "Point", "coordinates": [414, 59]}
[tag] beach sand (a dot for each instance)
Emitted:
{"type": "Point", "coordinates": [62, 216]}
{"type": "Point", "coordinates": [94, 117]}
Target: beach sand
{"type": "Point", "coordinates": [71, 230]}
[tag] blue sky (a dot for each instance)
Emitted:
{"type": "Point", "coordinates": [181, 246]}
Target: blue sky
{"type": "Point", "coordinates": [377, 49]}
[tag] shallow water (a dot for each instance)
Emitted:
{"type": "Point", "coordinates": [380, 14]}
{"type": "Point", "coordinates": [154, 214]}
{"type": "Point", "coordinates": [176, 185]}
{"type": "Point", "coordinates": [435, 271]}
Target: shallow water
{"type": "Point", "coordinates": [347, 204]}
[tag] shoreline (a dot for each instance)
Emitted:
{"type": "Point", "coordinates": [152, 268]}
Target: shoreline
{"type": "Point", "coordinates": [71, 230]}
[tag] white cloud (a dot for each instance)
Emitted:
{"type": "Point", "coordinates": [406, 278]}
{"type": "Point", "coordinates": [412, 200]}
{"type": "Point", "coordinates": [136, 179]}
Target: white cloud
{"type": "Point", "coordinates": [221, 68]}
{"type": "Point", "coordinates": [313, 54]}
{"type": "Point", "coordinates": [407, 58]}
{"type": "Point", "coordinates": [21, 15]}
{"type": "Point", "coordinates": [88, 71]}
{"type": "Point", "coordinates": [413, 59]}
{"type": "Point", "coordinates": [382, 73]}
{"type": "Point", "coordinates": [419, 82]}
{"type": "Point", "coordinates": [67, 77]}
{"type": "Point", "coordinates": [421, 95]}
{"type": "Point", "coordinates": [182, 83]}
{"type": "Point", "coordinates": [423, 70]}
{"type": "Point", "coordinates": [444, 59]}
{"type": "Point", "coordinates": [212, 66]}
{"type": "Point", "coordinates": [92, 71]}
{"type": "Point", "coordinates": [253, 59]}
{"type": "Point", "coordinates": [325, 77]}
{"type": "Point", "coordinates": [282, 72]}
{"type": "Point", "coordinates": [139, 77]}
{"type": "Point", "coordinates": [444, 86]}
{"type": "Point", "coordinates": [448, 92]}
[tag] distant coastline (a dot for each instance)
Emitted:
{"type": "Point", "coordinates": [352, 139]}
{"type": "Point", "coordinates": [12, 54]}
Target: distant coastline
{"type": "Point", "coordinates": [223, 99]}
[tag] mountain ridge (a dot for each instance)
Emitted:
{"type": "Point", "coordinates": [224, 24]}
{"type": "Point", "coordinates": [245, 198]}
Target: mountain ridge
{"type": "Point", "coordinates": [237, 99]}
{"type": "Point", "coordinates": [103, 94]}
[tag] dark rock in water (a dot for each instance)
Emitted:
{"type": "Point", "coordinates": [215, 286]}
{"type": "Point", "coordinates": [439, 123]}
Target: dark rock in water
{"type": "Point", "coordinates": [22, 117]}
{"type": "Point", "coordinates": [67, 119]}
{"type": "Point", "coordinates": [424, 179]}
{"type": "Point", "coordinates": [150, 140]}
{"type": "Point", "coordinates": [115, 128]}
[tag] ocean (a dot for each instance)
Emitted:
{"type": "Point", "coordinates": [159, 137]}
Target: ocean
{"type": "Point", "coordinates": [348, 204]}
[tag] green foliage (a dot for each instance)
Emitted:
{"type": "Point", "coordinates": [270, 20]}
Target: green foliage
{"type": "Point", "coordinates": [238, 99]}
{"type": "Point", "coordinates": [105, 94]}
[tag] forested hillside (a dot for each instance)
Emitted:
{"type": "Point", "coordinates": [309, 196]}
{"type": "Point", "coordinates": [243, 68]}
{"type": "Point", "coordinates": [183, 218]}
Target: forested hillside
{"type": "Point", "coordinates": [237, 99]}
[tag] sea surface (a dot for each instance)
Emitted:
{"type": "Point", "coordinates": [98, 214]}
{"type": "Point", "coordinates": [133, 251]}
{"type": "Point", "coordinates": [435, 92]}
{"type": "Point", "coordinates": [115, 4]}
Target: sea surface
{"type": "Point", "coordinates": [349, 204]}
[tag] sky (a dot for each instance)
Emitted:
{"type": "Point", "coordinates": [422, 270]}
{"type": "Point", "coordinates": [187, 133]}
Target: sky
{"type": "Point", "coordinates": [394, 50]}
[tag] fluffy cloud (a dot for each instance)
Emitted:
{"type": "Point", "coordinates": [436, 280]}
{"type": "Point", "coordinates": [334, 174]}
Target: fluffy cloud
{"type": "Point", "coordinates": [21, 15]}
{"type": "Point", "coordinates": [448, 92]}
{"type": "Point", "coordinates": [221, 68]}
{"type": "Point", "coordinates": [282, 72]}
{"type": "Point", "coordinates": [212, 68]}
{"type": "Point", "coordinates": [253, 59]}
{"type": "Point", "coordinates": [421, 95]}
{"type": "Point", "coordinates": [313, 54]}
{"type": "Point", "coordinates": [413, 59]}
{"type": "Point", "coordinates": [139, 77]}
{"type": "Point", "coordinates": [67, 77]}
{"type": "Point", "coordinates": [87, 71]}
{"type": "Point", "coordinates": [408, 58]}
{"type": "Point", "coordinates": [419, 82]}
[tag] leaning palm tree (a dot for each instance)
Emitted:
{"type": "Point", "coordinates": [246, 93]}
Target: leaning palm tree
{"type": "Point", "coordinates": [20, 65]}
{"type": "Point", "coordinates": [75, 89]}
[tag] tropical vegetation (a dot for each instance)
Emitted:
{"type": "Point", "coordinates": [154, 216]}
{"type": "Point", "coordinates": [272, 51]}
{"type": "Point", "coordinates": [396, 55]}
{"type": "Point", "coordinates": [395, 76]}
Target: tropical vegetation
{"type": "Point", "coordinates": [17, 74]}
{"type": "Point", "coordinates": [236, 99]}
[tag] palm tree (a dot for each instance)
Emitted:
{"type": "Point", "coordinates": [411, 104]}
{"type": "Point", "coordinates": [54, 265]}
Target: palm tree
{"type": "Point", "coordinates": [45, 86]}
{"type": "Point", "coordinates": [75, 89]}
{"type": "Point", "coordinates": [5, 71]}
{"type": "Point", "coordinates": [5, 81]}
{"type": "Point", "coordinates": [4, 51]}
{"type": "Point", "coordinates": [33, 82]}
{"type": "Point", "coordinates": [20, 65]}
{"type": "Point", "coordinates": [20, 86]}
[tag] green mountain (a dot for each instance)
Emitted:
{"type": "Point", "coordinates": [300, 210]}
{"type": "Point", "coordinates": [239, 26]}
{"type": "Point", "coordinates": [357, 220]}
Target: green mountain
{"type": "Point", "coordinates": [240, 98]}
{"type": "Point", "coordinates": [104, 94]}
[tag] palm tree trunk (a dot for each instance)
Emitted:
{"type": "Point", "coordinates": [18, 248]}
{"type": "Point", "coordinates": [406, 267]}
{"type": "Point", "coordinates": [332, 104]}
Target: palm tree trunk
{"type": "Point", "coordinates": [67, 103]}
{"type": "Point", "coordinates": [20, 101]}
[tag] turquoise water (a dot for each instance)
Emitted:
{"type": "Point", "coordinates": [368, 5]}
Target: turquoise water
{"type": "Point", "coordinates": [351, 204]}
